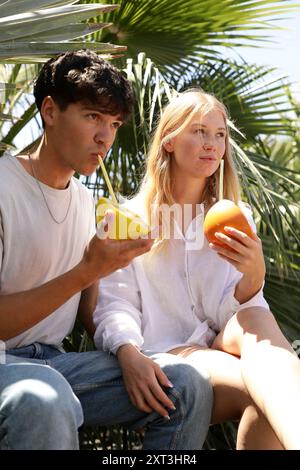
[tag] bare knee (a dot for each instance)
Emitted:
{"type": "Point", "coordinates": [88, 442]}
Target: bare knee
{"type": "Point", "coordinates": [260, 328]}
{"type": "Point", "coordinates": [255, 320]}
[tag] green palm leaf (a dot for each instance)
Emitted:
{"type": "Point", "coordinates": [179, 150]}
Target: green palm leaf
{"type": "Point", "coordinates": [174, 33]}
{"type": "Point", "coordinates": [32, 31]}
{"type": "Point", "coordinates": [257, 102]}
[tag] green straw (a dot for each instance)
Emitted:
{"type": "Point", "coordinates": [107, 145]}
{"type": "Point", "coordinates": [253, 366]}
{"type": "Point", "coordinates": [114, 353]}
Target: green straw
{"type": "Point", "coordinates": [221, 180]}
{"type": "Point", "coordinates": [107, 180]}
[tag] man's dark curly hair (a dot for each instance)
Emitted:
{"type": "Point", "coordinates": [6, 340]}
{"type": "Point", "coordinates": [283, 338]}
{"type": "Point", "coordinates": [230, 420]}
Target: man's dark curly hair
{"type": "Point", "coordinates": [83, 76]}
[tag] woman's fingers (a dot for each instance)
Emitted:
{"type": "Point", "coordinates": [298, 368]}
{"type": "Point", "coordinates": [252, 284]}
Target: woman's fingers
{"type": "Point", "coordinates": [232, 255]}
{"type": "Point", "coordinates": [138, 401]}
{"type": "Point", "coordinates": [233, 244]}
{"type": "Point", "coordinates": [149, 396]}
{"type": "Point", "coordinates": [145, 400]}
{"type": "Point", "coordinates": [154, 403]}
{"type": "Point", "coordinates": [241, 236]}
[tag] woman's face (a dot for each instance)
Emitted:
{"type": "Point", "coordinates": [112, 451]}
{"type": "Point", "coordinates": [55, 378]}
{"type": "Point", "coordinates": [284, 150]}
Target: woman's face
{"type": "Point", "coordinates": [199, 148]}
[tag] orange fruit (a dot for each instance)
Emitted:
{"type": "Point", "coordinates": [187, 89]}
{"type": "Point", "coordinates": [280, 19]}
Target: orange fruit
{"type": "Point", "coordinates": [225, 213]}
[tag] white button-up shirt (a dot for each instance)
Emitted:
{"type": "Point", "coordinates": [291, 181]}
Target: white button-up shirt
{"type": "Point", "coordinates": [180, 295]}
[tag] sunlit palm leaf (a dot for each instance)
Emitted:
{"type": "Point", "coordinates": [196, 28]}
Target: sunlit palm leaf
{"type": "Point", "coordinates": [15, 7]}
{"type": "Point", "coordinates": [39, 52]}
{"type": "Point", "coordinates": [25, 24]}
{"type": "Point", "coordinates": [63, 33]}
{"type": "Point", "coordinates": [32, 31]}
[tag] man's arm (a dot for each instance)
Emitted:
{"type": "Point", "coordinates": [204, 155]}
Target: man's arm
{"type": "Point", "coordinates": [20, 311]}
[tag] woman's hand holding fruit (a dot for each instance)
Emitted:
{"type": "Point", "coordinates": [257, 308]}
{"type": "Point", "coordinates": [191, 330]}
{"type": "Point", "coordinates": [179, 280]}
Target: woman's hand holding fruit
{"type": "Point", "coordinates": [246, 255]}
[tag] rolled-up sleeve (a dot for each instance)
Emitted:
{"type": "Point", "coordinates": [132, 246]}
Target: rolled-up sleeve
{"type": "Point", "coordinates": [117, 316]}
{"type": "Point", "coordinates": [230, 305]}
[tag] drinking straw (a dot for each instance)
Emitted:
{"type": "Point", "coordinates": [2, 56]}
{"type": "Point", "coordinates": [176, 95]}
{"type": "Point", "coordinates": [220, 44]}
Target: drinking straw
{"type": "Point", "coordinates": [221, 180]}
{"type": "Point", "coordinates": [107, 180]}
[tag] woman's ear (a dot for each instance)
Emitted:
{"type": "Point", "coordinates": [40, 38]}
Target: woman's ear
{"type": "Point", "coordinates": [168, 145]}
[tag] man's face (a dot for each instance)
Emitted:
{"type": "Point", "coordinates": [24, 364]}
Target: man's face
{"type": "Point", "coordinates": [80, 133]}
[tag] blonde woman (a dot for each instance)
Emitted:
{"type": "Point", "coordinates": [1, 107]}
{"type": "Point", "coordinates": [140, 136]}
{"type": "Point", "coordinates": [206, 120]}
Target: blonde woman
{"type": "Point", "coordinates": [202, 302]}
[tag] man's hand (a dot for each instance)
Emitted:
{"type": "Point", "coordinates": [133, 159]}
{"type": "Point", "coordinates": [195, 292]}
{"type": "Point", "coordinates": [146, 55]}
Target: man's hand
{"type": "Point", "coordinates": [143, 380]}
{"type": "Point", "coordinates": [104, 255]}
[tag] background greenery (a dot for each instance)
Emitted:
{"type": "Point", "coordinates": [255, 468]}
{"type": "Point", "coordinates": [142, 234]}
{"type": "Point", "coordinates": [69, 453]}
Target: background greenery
{"type": "Point", "coordinates": [172, 45]}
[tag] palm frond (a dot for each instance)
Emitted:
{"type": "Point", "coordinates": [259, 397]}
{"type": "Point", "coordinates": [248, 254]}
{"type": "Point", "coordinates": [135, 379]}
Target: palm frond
{"type": "Point", "coordinates": [32, 31]}
{"type": "Point", "coordinates": [257, 101]}
{"type": "Point", "coordinates": [172, 32]}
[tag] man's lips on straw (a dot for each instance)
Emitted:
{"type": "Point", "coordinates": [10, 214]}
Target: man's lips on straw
{"type": "Point", "coordinates": [99, 154]}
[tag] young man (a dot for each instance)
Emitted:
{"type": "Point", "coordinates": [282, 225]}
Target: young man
{"type": "Point", "coordinates": [50, 265]}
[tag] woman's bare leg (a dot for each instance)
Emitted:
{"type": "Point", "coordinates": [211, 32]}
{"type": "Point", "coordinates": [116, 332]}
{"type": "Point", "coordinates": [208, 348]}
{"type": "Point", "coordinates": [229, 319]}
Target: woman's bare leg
{"type": "Point", "coordinates": [231, 398]}
{"type": "Point", "coordinates": [270, 369]}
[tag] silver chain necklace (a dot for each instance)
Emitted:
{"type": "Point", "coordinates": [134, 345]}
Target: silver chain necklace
{"type": "Point", "coordinates": [44, 197]}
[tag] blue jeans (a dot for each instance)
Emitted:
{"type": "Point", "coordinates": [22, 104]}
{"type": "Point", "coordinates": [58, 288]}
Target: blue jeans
{"type": "Point", "coordinates": [96, 379]}
{"type": "Point", "coordinates": [38, 409]}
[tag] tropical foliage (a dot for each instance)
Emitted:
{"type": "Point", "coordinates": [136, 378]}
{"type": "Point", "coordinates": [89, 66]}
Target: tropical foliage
{"type": "Point", "coordinates": [34, 30]}
{"type": "Point", "coordinates": [175, 33]}
{"type": "Point", "coordinates": [173, 45]}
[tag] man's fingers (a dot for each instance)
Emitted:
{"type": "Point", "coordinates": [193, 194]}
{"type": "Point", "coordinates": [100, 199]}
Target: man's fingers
{"type": "Point", "coordinates": [106, 222]}
{"type": "Point", "coordinates": [131, 247]}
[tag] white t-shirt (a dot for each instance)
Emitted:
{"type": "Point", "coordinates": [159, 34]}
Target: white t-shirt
{"type": "Point", "coordinates": [181, 295]}
{"type": "Point", "coordinates": [34, 249]}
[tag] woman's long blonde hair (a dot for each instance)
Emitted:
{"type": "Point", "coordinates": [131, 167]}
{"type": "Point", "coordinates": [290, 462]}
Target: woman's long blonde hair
{"type": "Point", "coordinates": [156, 187]}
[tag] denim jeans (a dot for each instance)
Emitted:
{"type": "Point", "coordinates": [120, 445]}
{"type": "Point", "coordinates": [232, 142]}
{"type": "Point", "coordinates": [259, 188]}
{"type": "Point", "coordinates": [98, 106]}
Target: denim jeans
{"type": "Point", "coordinates": [96, 379]}
{"type": "Point", "coordinates": [38, 409]}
